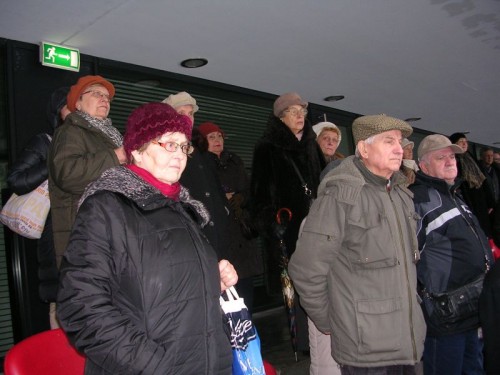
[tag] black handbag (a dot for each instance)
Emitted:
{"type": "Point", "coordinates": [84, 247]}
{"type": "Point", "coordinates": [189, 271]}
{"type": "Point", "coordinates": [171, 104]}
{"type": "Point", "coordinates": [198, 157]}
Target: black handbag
{"type": "Point", "coordinates": [458, 304]}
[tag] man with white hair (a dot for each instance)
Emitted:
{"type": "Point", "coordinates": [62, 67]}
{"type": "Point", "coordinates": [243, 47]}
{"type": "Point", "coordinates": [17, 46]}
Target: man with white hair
{"type": "Point", "coordinates": [454, 257]}
{"type": "Point", "coordinates": [354, 264]}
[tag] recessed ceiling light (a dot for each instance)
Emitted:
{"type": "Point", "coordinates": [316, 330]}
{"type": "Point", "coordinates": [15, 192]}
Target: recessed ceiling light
{"type": "Point", "coordinates": [413, 119]}
{"type": "Point", "coordinates": [334, 98]}
{"type": "Point", "coordinates": [194, 62]}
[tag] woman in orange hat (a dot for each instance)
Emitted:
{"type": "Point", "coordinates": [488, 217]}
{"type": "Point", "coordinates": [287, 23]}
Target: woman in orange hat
{"type": "Point", "coordinates": [83, 147]}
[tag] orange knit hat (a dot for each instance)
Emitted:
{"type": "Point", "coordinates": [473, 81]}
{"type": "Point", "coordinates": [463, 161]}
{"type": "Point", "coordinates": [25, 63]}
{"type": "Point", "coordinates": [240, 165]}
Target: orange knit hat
{"type": "Point", "coordinates": [76, 90]}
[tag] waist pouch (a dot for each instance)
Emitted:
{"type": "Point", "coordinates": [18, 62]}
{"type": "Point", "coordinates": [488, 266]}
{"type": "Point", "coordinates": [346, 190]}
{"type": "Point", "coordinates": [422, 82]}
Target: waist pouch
{"type": "Point", "coordinates": [458, 304]}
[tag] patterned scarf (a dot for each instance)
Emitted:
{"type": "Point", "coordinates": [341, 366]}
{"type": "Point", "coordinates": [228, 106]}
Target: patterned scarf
{"type": "Point", "coordinates": [105, 126]}
{"type": "Point", "coordinates": [470, 171]}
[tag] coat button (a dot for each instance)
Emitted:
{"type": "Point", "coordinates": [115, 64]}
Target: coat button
{"type": "Point", "coordinates": [211, 223]}
{"type": "Point", "coordinates": [207, 194]}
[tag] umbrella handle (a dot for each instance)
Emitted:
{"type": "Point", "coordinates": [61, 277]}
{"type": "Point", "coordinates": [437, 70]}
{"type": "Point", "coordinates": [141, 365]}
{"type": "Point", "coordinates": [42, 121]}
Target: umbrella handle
{"type": "Point", "coordinates": [280, 211]}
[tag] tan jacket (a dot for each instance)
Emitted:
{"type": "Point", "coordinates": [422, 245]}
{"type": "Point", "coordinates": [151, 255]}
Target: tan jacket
{"type": "Point", "coordinates": [354, 268]}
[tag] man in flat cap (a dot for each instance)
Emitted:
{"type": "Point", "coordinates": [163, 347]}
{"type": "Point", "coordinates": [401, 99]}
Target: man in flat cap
{"type": "Point", "coordinates": [354, 265]}
{"type": "Point", "coordinates": [454, 256]}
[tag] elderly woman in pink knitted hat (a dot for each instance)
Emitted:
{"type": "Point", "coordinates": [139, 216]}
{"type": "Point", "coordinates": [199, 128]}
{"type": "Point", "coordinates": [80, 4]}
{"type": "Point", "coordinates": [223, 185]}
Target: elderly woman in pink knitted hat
{"type": "Point", "coordinates": [140, 284]}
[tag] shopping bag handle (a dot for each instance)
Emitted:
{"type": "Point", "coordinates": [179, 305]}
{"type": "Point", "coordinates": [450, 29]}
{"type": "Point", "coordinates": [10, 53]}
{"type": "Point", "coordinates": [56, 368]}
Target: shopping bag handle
{"type": "Point", "coordinates": [231, 294]}
{"type": "Point", "coordinates": [234, 302]}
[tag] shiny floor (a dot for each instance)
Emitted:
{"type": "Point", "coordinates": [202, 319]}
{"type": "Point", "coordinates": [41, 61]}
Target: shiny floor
{"type": "Point", "coordinates": [276, 346]}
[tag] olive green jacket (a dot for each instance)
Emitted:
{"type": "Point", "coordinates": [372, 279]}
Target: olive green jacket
{"type": "Point", "coordinates": [79, 153]}
{"type": "Point", "coordinates": [354, 268]}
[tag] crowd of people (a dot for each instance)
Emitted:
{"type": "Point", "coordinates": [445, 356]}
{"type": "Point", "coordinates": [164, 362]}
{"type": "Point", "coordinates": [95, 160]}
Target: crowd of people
{"type": "Point", "coordinates": [148, 228]}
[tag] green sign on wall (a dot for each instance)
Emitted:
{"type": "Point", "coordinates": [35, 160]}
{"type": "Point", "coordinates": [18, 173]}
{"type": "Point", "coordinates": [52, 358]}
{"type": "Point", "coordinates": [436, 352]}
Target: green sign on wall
{"type": "Point", "coordinates": [58, 56]}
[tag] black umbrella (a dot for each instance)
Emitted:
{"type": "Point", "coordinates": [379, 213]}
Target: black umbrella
{"type": "Point", "coordinates": [283, 217]}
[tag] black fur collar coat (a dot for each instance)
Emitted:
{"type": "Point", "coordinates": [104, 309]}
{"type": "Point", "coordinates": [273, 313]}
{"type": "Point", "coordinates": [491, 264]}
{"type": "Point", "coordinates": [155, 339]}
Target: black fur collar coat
{"type": "Point", "coordinates": [275, 181]}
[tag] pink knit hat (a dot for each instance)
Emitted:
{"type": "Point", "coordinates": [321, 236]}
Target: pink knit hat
{"type": "Point", "coordinates": [150, 121]}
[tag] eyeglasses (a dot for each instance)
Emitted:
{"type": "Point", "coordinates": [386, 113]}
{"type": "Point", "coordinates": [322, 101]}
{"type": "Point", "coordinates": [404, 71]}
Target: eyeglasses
{"type": "Point", "coordinates": [186, 148]}
{"type": "Point", "coordinates": [295, 112]}
{"type": "Point", "coordinates": [98, 95]}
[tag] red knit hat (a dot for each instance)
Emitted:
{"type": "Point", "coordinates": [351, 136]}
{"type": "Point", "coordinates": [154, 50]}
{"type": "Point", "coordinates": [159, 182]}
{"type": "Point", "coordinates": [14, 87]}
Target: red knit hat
{"type": "Point", "coordinates": [150, 121]}
{"type": "Point", "coordinates": [209, 127]}
{"type": "Point", "coordinates": [77, 89]}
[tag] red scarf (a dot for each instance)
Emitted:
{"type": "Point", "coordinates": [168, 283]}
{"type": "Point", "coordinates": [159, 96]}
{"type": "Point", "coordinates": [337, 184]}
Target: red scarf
{"type": "Point", "coordinates": [171, 191]}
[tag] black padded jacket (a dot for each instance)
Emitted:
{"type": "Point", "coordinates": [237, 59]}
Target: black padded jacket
{"type": "Point", "coordinates": [453, 248]}
{"type": "Point", "coordinates": [140, 284]}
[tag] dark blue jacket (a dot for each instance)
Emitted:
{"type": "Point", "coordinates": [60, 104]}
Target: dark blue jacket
{"type": "Point", "coordinates": [453, 248]}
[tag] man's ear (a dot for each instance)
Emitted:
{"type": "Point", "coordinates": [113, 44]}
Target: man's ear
{"type": "Point", "coordinates": [423, 166]}
{"type": "Point", "coordinates": [362, 149]}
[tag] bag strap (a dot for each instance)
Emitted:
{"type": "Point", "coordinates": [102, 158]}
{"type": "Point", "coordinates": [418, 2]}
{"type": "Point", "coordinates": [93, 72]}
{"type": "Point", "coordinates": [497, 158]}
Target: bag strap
{"type": "Point", "coordinates": [307, 191]}
{"type": "Point", "coordinates": [232, 294]}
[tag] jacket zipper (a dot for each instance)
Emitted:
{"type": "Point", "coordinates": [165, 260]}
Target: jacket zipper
{"type": "Point", "coordinates": [460, 209]}
{"type": "Point", "coordinates": [196, 243]}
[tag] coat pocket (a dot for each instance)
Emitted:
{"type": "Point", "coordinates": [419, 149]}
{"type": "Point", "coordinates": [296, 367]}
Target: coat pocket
{"type": "Point", "coordinates": [379, 325]}
{"type": "Point", "coordinates": [369, 243]}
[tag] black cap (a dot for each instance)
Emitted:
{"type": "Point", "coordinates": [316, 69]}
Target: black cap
{"type": "Point", "coordinates": [456, 136]}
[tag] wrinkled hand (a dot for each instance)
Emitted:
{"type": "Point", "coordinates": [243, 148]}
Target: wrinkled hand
{"type": "Point", "coordinates": [228, 275]}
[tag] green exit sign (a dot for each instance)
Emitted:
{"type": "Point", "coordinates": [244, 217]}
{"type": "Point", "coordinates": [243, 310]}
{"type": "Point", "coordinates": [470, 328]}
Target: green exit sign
{"type": "Point", "coordinates": [58, 56]}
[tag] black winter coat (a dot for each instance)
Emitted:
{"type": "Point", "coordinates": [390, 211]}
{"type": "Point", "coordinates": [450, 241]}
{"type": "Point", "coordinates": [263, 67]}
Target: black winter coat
{"type": "Point", "coordinates": [479, 200]}
{"type": "Point", "coordinates": [496, 224]}
{"type": "Point", "coordinates": [200, 178]}
{"type": "Point", "coordinates": [140, 285]}
{"type": "Point", "coordinates": [244, 254]}
{"type": "Point", "coordinates": [276, 184]}
{"type": "Point", "coordinates": [26, 174]}
{"type": "Point", "coordinates": [489, 306]}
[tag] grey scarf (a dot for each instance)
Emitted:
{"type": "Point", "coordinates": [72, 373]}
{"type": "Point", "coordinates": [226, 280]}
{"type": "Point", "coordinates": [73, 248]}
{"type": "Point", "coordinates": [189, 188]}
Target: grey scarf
{"type": "Point", "coordinates": [105, 126]}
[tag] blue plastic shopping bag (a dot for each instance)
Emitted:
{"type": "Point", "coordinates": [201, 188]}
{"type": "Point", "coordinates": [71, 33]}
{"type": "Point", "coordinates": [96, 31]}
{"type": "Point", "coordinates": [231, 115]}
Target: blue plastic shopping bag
{"type": "Point", "coordinates": [245, 342]}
